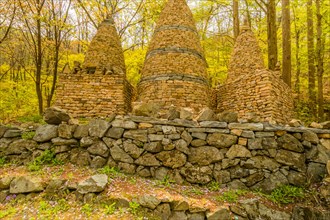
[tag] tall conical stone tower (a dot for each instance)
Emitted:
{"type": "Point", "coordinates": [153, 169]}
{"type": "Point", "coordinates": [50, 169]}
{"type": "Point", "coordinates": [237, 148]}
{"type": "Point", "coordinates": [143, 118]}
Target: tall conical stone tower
{"type": "Point", "coordinates": [105, 52]}
{"type": "Point", "coordinates": [174, 71]}
{"type": "Point", "coordinates": [99, 87]}
{"type": "Point", "coordinates": [250, 89]}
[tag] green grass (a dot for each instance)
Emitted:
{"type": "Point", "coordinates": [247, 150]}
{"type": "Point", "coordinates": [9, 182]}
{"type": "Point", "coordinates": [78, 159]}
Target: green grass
{"type": "Point", "coordinates": [110, 171]}
{"type": "Point", "coordinates": [31, 118]}
{"type": "Point", "coordinates": [214, 186]}
{"type": "Point", "coordinates": [28, 135]}
{"type": "Point", "coordinates": [134, 207]}
{"type": "Point", "coordinates": [87, 209]}
{"type": "Point", "coordinates": [110, 209]}
{"type": "Point", "coordinates": [231, 196]}
{"type": "Point", "coordinates": [166, 181]}
{"type": "Point", "coordinates": [2, 161]}
{"type": "Point", "coordinates": [287, 194]}
{"type": "Point", "coordinates": [47, 157]}
{"type": "Point", "coordinates": [7, 212]}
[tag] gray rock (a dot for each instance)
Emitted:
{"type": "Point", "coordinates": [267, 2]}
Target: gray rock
{"type": "Point", "coordinates": [156, 137]}
{"type": "Point", "coordinates": [25, 184]}
{"type": "Point", "coordinates": [99, 148]}
{"type": "Point", "coordinates": [325, 143]}
{"type": "Point", "coordinates": [220, 213]}
{"type": "Point", "coordinates": [255, 144]}
{"type": "Point", "coordinates": [66, 131]}
{"type": "Point", "coordinates": [326, 124]}
{"type": "Point", "coordinates": [310, 137]}
{"type": "Point", "coordinates": [127, 168]}
{"type": "Point", "coordinates": [80, 157]}
{"type": "Point", "coordinates": [226, 163]}
{"type": "Point", "coordinates": [289, 142]}
{"type": "Point", "coordinates": [182, 145]}
{"type": "Point", "coordinates": [133, 150]}
{"type": "Point", "coordinates": [149, 201]}
{"type": "Point", "coordinates": [174, 136]}
{"type": "Point", "coordinates": [173, 159]}
{"type": "Point", "coordinates": [262, 162]}
{"type": "Point", "coordinates": [139, 135]}
{"type": "Point", "coordinates": [302, 213]}
{"type": "Point", "coordinates": [228, 117]}
{"type": "Point", "coordinates": [194, 174]}
{"type": "Point", "coordinates": [254, 178]}
{"type": "Point", "coordinates": [169, 130]}
{"type": "Point", "coordinates": [153, 147]}
{"type": "Point", "coordinates": [213, 124]}
{"type": "Point", "coordinates": [61, 149]}
{"type": "Point", "coordinates": [81, 131]}
{"type": "Point", "coordinates": [186, 113]}
{"type": "Point", "coordinates": [147, 160]}
{"type": "Point", "coordinates": [88, 141]}
{"type": "Point", "coordinates": [297, 178]}
{"type": "Point", "coordinates": [45, 133]}
{"type": "Point", "coordinates": [178, 216]}
{"type": "Point", "coordinates": [261, 134]}
{"type": "Point", "coordinates": [94, 184]}
{"type": "Point", "coordinates": [12, 133]}
{"type": "Point", "coordinates": [236, 185]}
{"type": "Point", "coordinates": [98, 128]}
{"type": "Point", "coordinates": [322, 154]}
{"type": "Point", "coordinates": [3, 130]}
{"type": "Point", "coordinates": [20, 146]}
{"type": "Point", "coordinates": [55, 116]}
{"type": "Point", "coordinates": [149, 109]}
{"type": "Point", "coordinates": [205, 155]}
{"type": "Point", "coordinates": [187, 137]}
{"type": "Point", "coordinates": [294, 160]}
{"type": "Point", "coordinates": [316, 172]}
{"type": "Point", "coordinates": [163, 211]}
{"type": "Point", "coordinates": [115, 133]}
{"type": "Point", "coordinates": [222, 176]}
{"type": "Point", "coordinates": [270, 213]}
{"type": "Point", "coordinates": [198, 143]}
{"type": "Point", "coordinates": [55, 186]}
{"type": "Point", "coordinates": [180, 205]}
{"type": "Point", "coordinates": [238, 151]}
{"type": "Point", "coordinates": [98, 162]}
{"type": "Point", "coordinates": [196, 216]}
{"type": "Point", "coordinates": [247, 126]}
{"type": "Point", "coordinates": [5, 182]}
{"type": "Point", "coordinates": [119, 154]}
{"type": "Point", "coordinates": [269, 184]}
{"type": "Point", "coordinates": [221, 140]}
{"type": "Point", "coordinates": [206, 114]}
{"type": "Point", "coordinates": [248, 134]}
{"type": "Point", "coordinates": [199, 135]}
{"type": "Point", "coordinates": [61, 141]}
{"type": "Point", "coordinates": [238, 172]}
{"type": "Point", "coordinates": [118, 123]}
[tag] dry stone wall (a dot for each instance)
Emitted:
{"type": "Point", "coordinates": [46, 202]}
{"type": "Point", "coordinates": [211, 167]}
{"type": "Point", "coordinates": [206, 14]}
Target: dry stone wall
{"type": "Point", "coordinates": [237, 155]}
{"type": "Point", "coordinates": [175, 72]}
{"type": "Point", "coordinates": [250, 89]}
{"type": "Point", "coordinates": [93, 95]}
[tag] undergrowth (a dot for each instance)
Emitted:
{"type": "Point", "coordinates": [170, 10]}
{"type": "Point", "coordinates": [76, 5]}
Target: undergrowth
{"type": "Point", "coordinates": [46, 158]}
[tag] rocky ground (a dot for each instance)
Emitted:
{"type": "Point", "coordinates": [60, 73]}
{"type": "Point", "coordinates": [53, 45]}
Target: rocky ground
{"type": "Point", "coordinates": [70, 192]}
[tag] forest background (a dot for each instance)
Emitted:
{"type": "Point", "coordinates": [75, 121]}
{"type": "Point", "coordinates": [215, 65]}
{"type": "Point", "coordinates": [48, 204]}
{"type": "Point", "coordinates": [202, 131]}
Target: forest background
{"type": "Point", "coordinates": [38, 37]}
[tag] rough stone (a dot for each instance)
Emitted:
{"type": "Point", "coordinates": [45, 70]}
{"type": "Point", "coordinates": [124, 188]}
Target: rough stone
{"type": "Point", "coordinates": [133, 150]}
{"type": "Point", "coordinates": [297, 178]}
{"type": "Point", "coordinates": [238, 172]}
{"type": "Point", "coordinates": [222, 176]}
{"type": "Point", "coordinates": [238, 151]}
{"type": "Point", "coordinates": [302, 213]}
{"type": "Point", "coordinates": [220, 213]}
{"type": "Point", "coordinates": [88, 141]}
{"type": "Point", "coordinates": [180, 205]}
{"type": "Point", "coordinates": [115, 133]}
{"type": "Point", "coordinates": [119, 154]}
{"type": "Point", "coordinates": [55, 186]}
{"type": "Point", "coordinates": [25, 184]}
{"type": "Point", "coordinates": [213, 124]}
{"type": "Point", "coordinates": [153, 147]}
{"type": "Point", "coordinates": [289, 142]}
{"type": "Point", "coordinates": [149, 201]}
{"type": "Point", "coordinates": [198, 143]}
{"type": "Point", "coordinates": [98, 128]}
{"type": "Point", "coordinates": [178, 216]}
{"type": "Point", "coordinates": [99, 148]}
{"type": "Point", "coordinates": [81, 131]}
{"type": "Point", "coordinates": [20, 146]}
{"type": "Point", "coordinates": [12, 133]}
{"type": "Point", "coordinates": [325, 143]}
{"type": "Point", "coordinates": [80, 157]}
{"type": "Point", "coordinates": [221, 140]}
{"type": "Point", "coordinates": [127, 168]}
{"type": "Point", "coordinates": [295, 160]}
{"type": "Point", "coordinates": [61, 141]}
{"type": "Point", "coordinates": [45, 133]}
{"type": "Point", "coordinates": [173, 159]}
{"type": "Point", "coordinates": [98, 162]}
{"type": "Point", "coordinates": [139, 135]}
{"type": "Point", "coordinates": [66, 131]}
{"type": "Point", "coordinates": [229, 117]}
{"type": "Point", "coordinates": [247, 126]}
{"type": "Point", "coordinates": [310, 137]}
{"type": "Point", "coordinates": [5, 182]}
{"type": "Point", "coordinates": [201, 175]}
{"type": "Point", "coordinates": [268, 185]}
{"type": "Point", "coordinates": [315, 172]}
{"type": "Point", "coordinates": [204, 155]}
{"type": "Point", "coordinates": [94, 184]}
{"type": "Point", "coordinates": [187, 137]}
{"type": "Point", "coordinates": [55, 116]}
{"type": "Point", "coordinates": [118, 123]}
{"type": "Point", "coordinates": [163, 211]}
{"type": "Point", "coordinates": [262, 162]}
{"type": "Point", "coordinates": [206, 114]}
{"type": "Point", "coordinates": [186, 113]}
{"type": "Point", "coordinates": [148, 160]}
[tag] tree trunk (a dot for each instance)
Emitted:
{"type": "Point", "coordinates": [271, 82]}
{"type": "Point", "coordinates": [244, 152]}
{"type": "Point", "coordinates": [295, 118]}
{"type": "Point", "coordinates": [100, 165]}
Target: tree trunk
{"type": "Point", "coordinates": [319, 60]}
{"type": "Point", "coordinates": [235, 18]}
{"type": "Point", "coordinates": [271, 34]}
{"type": "Point", "coordinates": [286, 45]}
{"type": "Point", "coordinates": [311, 59]}
{"type": "Point", "coordinates": [39, 62]}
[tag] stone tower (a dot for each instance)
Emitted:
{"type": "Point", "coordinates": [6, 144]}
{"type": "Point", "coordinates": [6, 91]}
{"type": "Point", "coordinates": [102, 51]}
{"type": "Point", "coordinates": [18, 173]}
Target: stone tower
{"type": "Point", "coordinates": [98, 88]}
{"type": "Point", "coordinates": [174, 71]}
{"type": "Point", "coordinates": [251, 89]}
{"type": "Point", "coordinates": [105, 52]}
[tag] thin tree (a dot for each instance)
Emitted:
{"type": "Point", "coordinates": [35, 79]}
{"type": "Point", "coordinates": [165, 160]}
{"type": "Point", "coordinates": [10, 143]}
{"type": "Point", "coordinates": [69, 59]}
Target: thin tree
{"type": "Point", "coordinates": [286, 42]}
{"type": "Point", "coordinates": [7, 14]}
{"type": "Point", "coordinates": [319, 59]}
{"type": "Point", "coordinates": [235, 18]}
{"type": "Point", "coordinates": [311, 58]}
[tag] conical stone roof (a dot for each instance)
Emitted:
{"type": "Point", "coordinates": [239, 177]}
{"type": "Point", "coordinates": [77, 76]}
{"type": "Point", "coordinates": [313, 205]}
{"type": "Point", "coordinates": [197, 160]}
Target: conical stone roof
{"type": "Point", "coordinates": [247, 56]}
{"type": "Point", "coordinates": [174, 71]}
{"type": "Point", "coordinates": [105, 52]}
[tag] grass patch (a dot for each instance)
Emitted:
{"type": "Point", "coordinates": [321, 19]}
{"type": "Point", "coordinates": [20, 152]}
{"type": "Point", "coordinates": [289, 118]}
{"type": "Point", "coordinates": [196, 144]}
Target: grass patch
{"type": "Point", "coordinates": [214, 186]}
{"type": "Point", "coordinates": [28, 135]}
{"type": "Point", "coordinates": [2, 161]}
{"type": "Point", "coordinates": [110, 209]}
{"type": "Point", "coordinates": [87, 209]}
{"type": "Point", "coordinates": [231, 196]}
{"type": "Point", "coordinates": [47, 157]}
{"type": "Point", "coordinates": [134, 207]}
{"type": "Point", "coordinates": [8, 212]}
{"type": "Point", "coordinates": [166, 182]}
{"type": "Point", "coordinates": [31, 118]}
{"type": "Point", "coordinates": [110, 171]}
{"type": "Point", "coordinates": [287, 194]}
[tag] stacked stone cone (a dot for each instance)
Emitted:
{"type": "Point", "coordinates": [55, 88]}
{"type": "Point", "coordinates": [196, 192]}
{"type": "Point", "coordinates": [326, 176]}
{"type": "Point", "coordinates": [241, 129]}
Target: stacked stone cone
{"type": "Point", "coordinates": [105, 52]}
{"type": "Point", "coordinates": [174, 71]}
{"type": "Point", "coordinates": [246, 57]}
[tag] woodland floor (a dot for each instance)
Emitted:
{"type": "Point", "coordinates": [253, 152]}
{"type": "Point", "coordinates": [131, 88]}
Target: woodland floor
{"type": "Point", "coordinates": [121, 186]}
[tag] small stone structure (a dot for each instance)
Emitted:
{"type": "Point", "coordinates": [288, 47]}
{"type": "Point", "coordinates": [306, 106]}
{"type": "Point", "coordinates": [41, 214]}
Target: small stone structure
{"type": "Point", "coordinates": [99, 87]}
{"type": "Point", "coordinates": [250, 88]}
{"type": "Point", "coordinates": [174, 71]}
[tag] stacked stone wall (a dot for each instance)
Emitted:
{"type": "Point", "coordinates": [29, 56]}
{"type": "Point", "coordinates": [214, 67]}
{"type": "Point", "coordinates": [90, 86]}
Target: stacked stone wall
{"type": "Point", "coordinates": [236, 155]}
{"type": "Point", "coordinates": [84, 95]}
{"type": "Point", "coordinates": [265, 96]}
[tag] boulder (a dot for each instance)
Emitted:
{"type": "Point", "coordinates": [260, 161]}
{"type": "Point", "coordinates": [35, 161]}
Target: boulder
{"type": "Point", "coordinates": [149, 201]}
{"type": "Point", "coordinates": [94, 184]}
{"type": "Point", "coordinates": [80, 157]}
{"type": "Point", "coordinates": [289, 142]}
{"type": "Point", "coordinates": [56, 116]}
{"type": "Point", "coordinates": [5, 182]}
{"type": "Point", "coordinates": [221, 140]}
{"type": "Point", "coordinates": [133, 150]}
{"type": "Point", "coordinates": [119, 154]}
{"type": "Point", "coordinates": [186, 113]}
{"type": "Point", "coordinates": [45, 133]}
{"type": "Point", "coordinates": [139, 135]}
{"type": "Point", "coordinates": [20, 146]}
{"type": "Point", "coordinates": [219, 213]}
{"type": "Point", "coordinates": [98, 162]}
{"type": "Point", "coordinates": [178, 216]}
{"type": "Point", "coordinates": [12, 133]}
{"type": "Point", "coordinates": [147, 160]}
{"type": "Point", "coordinates": [295, 160]}
{"type": "Point", "coordinates": [269, 184]}
{"type": "Point", "coordinates": [238, 151]}
{"type": "Point", "coordinates": [115, 133]}
{"type": "Point", "coordinates": [315, 172]}
{"type": "Point", "coordinates": [194, 174]}
{"type": "Point", "coordinates": [229, 117]}
{"type": "Point", "coordinates": [66, 131]}
{"type": "Point", "coordinates": [206, 114]}
{"type": "Point", "coordinates": [205, 155]}
{"type": "Point", "coordinates": [81, 131]}
{"type": "Point", "coordinates": [310, 137]}
{"type": "Point", "coordinates": [99, 148]}
{"type": "Point", "coordinates": [173, 159]}
{"type": "Point", "coordinates": [98, 127]}
{"type": "Point", "coordinates": [163, 211]}
{"type": "Point", "coordinates": [25, 184]}
{"type": "Point", "coordinates": [149, 109]}
{"type": "Point", "coordinates": [125, 124]}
